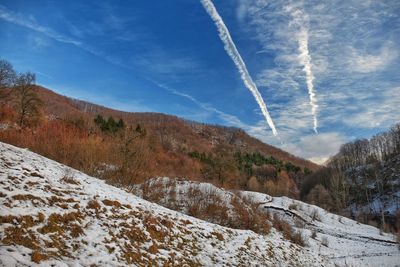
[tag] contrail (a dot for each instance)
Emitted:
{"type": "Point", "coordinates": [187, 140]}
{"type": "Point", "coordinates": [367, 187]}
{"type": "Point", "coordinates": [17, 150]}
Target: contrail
{"type": "Point", "coordinates": [305, 59]}
{"type": "Point", "coordinates": [230, 48]}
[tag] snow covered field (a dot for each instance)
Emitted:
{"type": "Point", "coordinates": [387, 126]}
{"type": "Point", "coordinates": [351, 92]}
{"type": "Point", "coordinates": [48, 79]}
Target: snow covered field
{"type": "Point", "coordinates": [52, 215]}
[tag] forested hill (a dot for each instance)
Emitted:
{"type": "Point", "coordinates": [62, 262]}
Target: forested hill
{"type": "Point", "coordinates": [181, 129]}
{"type": "Point", "coordinates": [362, 180]}
{"type": "Point", "coordinates": [148, 145]}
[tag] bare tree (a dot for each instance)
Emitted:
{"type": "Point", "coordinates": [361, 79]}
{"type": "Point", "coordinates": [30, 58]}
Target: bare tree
{"type": "Point", "coordinates": [7, 78]}
{"type": "Point", "coordinates": [134, 160]}
{"type": "Point", "coordinates": [339, 189]}
{"type": "Point", "coordinates": [27, 100]}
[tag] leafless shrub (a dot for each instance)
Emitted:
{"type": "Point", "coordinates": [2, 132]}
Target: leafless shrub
{"type": "Point", "coordinates": [315, 215]}
{"type": "Point", "coordinates": [153, 190]}
{"type": "Point", "coordinates": [313, 234]}
{"type": "Point", "coordinates": [248, 216]}
{"type": "Point", "coordinates": [288, 231]}
{"type": "Point", "coordinates": [293, 206]}
{"type": "Point", "coordinates": [324, 241]}
{"type": "Point", "coordinates": [299, 223]}
{"type": "Point", "coordinates": [68, 177]}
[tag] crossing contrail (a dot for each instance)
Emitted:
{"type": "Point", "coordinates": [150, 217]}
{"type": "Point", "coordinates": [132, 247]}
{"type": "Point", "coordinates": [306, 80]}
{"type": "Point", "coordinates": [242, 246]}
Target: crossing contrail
{"type": "Point", "coordinates": [232, 51]}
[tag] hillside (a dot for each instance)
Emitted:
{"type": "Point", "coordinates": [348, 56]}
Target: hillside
{"type": "Point", "coordinates": [362, 181]}
{"type": "Point", "coordinates": [342, 241]}
{"type": "Point", "coordinates": [126, 148]}
{"type": "Point", "coordinates": [192, 134]}
{"type": "Point", "coordinates": [54, 215]}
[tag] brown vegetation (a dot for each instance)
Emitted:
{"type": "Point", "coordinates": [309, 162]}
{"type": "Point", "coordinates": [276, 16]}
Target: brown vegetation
{"type": "Point", "coordinates": [287, 230]}
{"type": "Point", "coordinates": [142, 145]}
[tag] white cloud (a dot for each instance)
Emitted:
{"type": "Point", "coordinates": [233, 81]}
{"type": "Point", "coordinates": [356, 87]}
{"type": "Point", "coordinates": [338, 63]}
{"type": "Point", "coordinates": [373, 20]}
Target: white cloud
{"type": "Point", "coordinates": [366, 63]}
{"type": "Point", "coordinates": [377, 112]}
{"type": "Point", "coordinates": [355, 50]}
{"type": "Point", "coordinates": [317, 148]}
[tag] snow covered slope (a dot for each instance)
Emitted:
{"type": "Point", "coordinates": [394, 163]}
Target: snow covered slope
{"type": "Point", "coordinates": [341, 241]}
{"type": "Point", "coordinates": [345, 242]}
{"type": "Point", "coordinates": [52, 215]}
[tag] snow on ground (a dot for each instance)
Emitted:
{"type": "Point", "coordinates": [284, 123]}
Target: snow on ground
{"type": "Point", "coordinates": [52, 215]}
{"type": "Point", "coordinates": [344, 242]}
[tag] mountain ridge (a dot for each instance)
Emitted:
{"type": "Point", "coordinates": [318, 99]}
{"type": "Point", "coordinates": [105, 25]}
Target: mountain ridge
{"type": "Point", "coordinates": [53, 101]}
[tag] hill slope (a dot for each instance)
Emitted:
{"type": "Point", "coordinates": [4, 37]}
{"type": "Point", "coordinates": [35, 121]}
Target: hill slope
{"type": "Point", "coordinates": [138, 146]}
{"type": "Point", "coordinates": [57, 216]}
{"type": "Point", "coordinates": [343, 241]}
{"type": "Point", "coordinates": [54, 215]}
{"type": "Point", "coordinates": [198, 136]}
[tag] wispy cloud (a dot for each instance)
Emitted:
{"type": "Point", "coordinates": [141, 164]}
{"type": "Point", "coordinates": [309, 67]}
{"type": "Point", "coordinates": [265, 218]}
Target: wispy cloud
{"type": "Point", "coordinates": [167, 65]}
{"type": "Point", "coordinates": [366, 63]}
{"type": "Point", "coordinates": [156, 62]}
{"type": "Point", "coordinates": [31, 23]}
{"type": "Point", "coordinates": [227, 118]}
{"type": "Point", "coordinates": [232, 51]}
{"type": "Point", "coordinates": [377, 111]}
{"type": "Point", "coordinates": [355, 50]}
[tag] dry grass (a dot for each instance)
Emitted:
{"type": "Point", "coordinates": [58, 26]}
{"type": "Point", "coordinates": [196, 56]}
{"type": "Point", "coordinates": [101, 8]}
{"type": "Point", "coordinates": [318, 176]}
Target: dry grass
{"type": "Point", "coordinates": [27, 197]}
{"type": "Point", "coordinates": [93, 204]}
{"type": "Point", "coordinates": [219, 236]}
{"type": "Point", "coordinates": [69, 180]}
{"type": "Point", "coordinates": [287, 230]}
{"type": "Point", "coordinates": [113, 203]}
{"type": "Point", "coordinates": [37, 256]}
{"type": "Point", "coordinates": [17, 235]}
{"type": "Point", "coordinates": [248, 216]}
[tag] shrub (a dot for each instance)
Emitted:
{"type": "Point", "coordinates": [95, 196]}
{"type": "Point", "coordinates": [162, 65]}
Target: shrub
{"type": "Point", "coordinates": [315, 215]}
{"type": "Point", "coordinates": [313, 234]}
{"type": "Point", "coordinates": [37, 257]}
{"type": "Point", "coordinates": [324, 241]}
{"type": "Point", "coordinates": [287, 230]}
{"type": "Point", "coordinates": [293, 206]}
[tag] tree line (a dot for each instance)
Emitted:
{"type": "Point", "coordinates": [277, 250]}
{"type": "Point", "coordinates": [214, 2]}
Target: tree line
{"type": "Point", "coordinates": [379, 148]}
{"type": "Point", "coordinates": [356, 176]}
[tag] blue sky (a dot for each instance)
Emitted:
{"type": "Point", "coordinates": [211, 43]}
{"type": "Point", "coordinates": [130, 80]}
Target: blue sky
{"type": "Point", "coordinates": [330, 66]}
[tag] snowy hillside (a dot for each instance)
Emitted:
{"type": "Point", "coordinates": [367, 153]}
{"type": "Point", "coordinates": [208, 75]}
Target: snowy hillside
{"type": "Point", "coordinates": [341, 241]}
{"type": "Point", "coordinates": [56, 216]}
{"type": "Point", "coordinates": [344, 241]}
